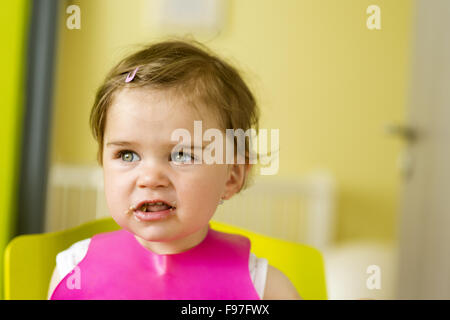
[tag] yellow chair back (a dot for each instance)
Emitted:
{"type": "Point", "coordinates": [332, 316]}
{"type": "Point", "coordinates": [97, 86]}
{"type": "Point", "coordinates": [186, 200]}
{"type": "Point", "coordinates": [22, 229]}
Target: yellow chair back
{"type": "Point", "coordinates": [30, 259]}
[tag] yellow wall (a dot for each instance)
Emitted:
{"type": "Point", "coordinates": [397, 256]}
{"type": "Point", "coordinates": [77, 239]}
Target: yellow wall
{"type": "Point", "coordinates": [321, 76]}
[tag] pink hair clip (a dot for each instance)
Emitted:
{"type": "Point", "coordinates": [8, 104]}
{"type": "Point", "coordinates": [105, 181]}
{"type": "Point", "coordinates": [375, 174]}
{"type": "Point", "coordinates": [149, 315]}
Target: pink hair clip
{"type": "Point", "coordinates": [131, 76]}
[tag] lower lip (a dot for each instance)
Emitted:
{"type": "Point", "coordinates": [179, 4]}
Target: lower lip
{"type": "Point", "coordinates": [153, 216]}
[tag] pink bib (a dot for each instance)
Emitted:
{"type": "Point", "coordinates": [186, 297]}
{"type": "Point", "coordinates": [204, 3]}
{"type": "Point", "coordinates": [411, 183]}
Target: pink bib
{"type": "Point", "coordinates": [117, 266]}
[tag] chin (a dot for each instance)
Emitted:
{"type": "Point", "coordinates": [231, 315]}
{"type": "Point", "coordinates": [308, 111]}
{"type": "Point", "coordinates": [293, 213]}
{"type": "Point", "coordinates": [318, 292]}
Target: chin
{"type": "Point", "coordinates": [155, 232]}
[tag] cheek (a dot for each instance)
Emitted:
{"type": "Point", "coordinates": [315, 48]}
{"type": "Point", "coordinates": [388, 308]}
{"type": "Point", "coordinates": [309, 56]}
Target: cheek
{"type": "Point", "coordinates": [203, 190]}
{"type": "Point", "coordinates": [116, 186]}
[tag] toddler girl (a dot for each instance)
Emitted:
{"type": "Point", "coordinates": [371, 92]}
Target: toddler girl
{"type": "Point", "coordinates": [163, 197]}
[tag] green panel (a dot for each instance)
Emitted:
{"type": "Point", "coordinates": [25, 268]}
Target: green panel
{"type": "Point", "coordinates": [14, 21]}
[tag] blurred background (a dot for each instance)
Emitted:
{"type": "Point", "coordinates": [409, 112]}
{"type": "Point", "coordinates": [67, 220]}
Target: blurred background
{"type": "Point", "coordinates": [358, 90]}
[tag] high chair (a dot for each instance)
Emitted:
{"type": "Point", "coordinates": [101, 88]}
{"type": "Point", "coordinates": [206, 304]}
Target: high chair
{"type": "Point", "coordinates": [30, 259]}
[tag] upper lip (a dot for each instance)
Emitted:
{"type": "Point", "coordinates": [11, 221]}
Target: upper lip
{"type": "Point", "coordinates": [140, 204]}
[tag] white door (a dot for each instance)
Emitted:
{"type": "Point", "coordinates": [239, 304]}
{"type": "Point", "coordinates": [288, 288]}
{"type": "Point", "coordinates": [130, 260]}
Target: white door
{"type": "Point", "coordinates": [424, 255]}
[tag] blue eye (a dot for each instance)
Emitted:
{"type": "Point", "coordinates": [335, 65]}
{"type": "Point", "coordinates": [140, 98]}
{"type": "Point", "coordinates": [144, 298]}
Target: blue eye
{"type": "Point", "coordinates": [126, 155]}
{"type": "Point", "coordinates": [181, 157]}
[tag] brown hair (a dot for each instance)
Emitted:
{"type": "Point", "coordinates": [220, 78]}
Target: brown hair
{"type": "Point", "coordinates": [186, 67]}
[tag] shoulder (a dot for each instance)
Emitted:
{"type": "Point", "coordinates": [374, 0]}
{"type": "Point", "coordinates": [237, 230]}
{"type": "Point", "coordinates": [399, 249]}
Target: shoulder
{"type": "Point", "coordinates": [75, 249]}
{"type": "Point", "coordinates": [66, 260]}
{"type": "Point", "coordinates": [278, 286]}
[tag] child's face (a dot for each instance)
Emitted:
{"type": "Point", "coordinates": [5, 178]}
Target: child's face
{"type": "Point", "coordinates": [145, 119]}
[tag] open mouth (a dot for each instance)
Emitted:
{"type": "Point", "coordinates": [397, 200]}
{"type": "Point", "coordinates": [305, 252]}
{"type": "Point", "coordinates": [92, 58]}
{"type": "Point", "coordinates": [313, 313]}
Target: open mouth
{"type": "Point", "coordinates": [152, 210]}
{"type": "Point", "coordinates": [156, 206]}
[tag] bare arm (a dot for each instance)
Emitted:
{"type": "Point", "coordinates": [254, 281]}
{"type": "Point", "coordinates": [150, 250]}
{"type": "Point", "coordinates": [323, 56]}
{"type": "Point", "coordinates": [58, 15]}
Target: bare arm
{"type": "Point", "coordinates": [278, 286]}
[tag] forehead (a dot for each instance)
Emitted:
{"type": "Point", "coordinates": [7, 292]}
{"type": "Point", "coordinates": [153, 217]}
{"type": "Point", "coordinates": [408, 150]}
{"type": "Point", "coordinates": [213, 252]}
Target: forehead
{"type": "Point", "coordinates": [143, 113]}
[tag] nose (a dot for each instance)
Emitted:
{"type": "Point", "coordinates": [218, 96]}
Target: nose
{"type": "Point", "coordinates": [153, 177]}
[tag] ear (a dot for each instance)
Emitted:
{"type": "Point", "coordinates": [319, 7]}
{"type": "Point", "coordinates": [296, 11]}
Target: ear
{"type": "Point", "coordinates": [237, 174]}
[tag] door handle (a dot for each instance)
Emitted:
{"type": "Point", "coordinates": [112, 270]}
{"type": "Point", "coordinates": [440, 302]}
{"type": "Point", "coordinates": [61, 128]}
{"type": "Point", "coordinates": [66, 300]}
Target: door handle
{"type": "Point", "coordinates": [406, 133]}
{"type": "Point", "coordinates": [405, 162]}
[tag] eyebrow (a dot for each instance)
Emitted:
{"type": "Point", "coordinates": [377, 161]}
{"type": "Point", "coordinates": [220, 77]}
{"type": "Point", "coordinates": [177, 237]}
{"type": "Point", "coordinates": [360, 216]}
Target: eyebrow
{"type": "Point", "coordinates": [128, 144]}
{"type": "Point", "coordinates": [119, 143]}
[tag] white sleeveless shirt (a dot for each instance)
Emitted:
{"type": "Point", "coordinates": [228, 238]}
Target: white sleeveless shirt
{"type": "Point", "coordinates": [67, 260]}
